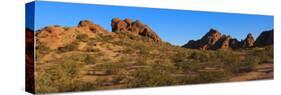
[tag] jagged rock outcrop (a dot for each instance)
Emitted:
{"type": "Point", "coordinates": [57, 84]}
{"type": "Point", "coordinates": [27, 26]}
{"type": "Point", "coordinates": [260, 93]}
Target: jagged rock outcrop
{"type": "Point", "coordinates": [234, 43]}
{"type": "Point", "coordinates": [215, 40]}
{"type": "Point", "coordinates": [249, 41]}
{"type": "Point", "coordinates": [212, 40]}
{"type": "Point", "coordinates": [222, 43]}
{"type": "Point", "coordinates": [118, 25]}
{"type": "Point", "coordinates": [265, 38]}
{"type": "Point", "coordinates": [127, 25]}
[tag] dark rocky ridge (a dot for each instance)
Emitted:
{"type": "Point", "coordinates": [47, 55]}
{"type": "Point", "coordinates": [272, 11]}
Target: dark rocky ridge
{"type": "Point", "coordinates": [265, 38]}
{"type": "Point", "coordinates": [214, 40]}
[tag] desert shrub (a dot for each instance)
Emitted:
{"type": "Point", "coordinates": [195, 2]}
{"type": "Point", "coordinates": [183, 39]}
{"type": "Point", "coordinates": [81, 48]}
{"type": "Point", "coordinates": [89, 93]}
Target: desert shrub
{"type": "Point", "coordinates": [205, 77]}
{"type": "Point", "coordinates": [245, 65]}
{"type": "Point", "coordinates": [142, 60]}
{"type": "Point", "coordinates": [155, 75]}
{"type": "Point", "coordinates": [144, 50]}
{"type": "Point", "coordinates": [201, 56]}
{"type": "Point", "coordinates": [85, 86]}
{"type": "Point", "coordinates": [92, 42]}
{"type": "Point", "coordinates": [103, 38]}
{"type": "Point", "coordinates": [66, 28]}
{"type": "Point", "coordinates": [101, 82]}
{"type": "Point", "coordinates": [128, 50]}
{"type": "Point", "coordinates": [227, 57]}
{"type": "Point", "coordinates": [44, 83]}
{"type": "Point", "coordinates": [79, 57]}
{"type": "Point", "coordinates": [82, 37]}
{"type": "Point", "coordinates": [56, 25]}
{"type": "Point", "coordinates": [69, 47]}
{"type": "Point", "coordinates": [62, 77]}
{"type": "Point", "coordinates": [127, 35]}
{"type": "Point", "coordinates": [110, 68]}
{"type": "Point", "coordinates": [91, 49]}
{"type": "Point", "coordinates": [127, 42]}
{"type": "Point", "coordinates": [190, 67]}
{"type": "Point", "coordinates": [180, 57]}
{"type": "Point", "coordinates": [118, 79]}
{"type": "Point", "coordinates": [90, 59]}
{"type": "Point", "coordinates": [265, 54]}
{"type": "Point", "coordinates": [42, 49]}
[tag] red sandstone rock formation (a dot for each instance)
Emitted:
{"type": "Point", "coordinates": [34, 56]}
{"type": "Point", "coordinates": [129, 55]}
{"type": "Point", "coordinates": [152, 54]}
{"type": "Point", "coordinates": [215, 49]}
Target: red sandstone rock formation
{"type": "Point", "coordinates": [214, 40]}
{"type": "Point", "coordinates": [127, 25]}
{"type": "Point", "coordinates": [248, 42]}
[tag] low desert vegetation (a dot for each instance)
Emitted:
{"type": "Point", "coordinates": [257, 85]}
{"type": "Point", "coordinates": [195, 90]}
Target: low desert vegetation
{"type": "Point", "coordinates": [82, 37]}
{"type": "Point", "coordinates": [130, 61]}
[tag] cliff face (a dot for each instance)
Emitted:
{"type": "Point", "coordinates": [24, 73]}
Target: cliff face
{"type": "Point", "coordinates": [215, 40]}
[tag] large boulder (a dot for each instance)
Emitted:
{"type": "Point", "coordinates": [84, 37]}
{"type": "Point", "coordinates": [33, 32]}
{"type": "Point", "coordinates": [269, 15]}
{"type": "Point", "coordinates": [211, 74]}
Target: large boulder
{"type": "Point", "coordinates": [265, 38]}
{"type": "Point", "coordinates": [129, 23]}
{"type": "Point", "coordinates": [118, 25]}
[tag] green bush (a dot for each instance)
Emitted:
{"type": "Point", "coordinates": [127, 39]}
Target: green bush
{"type": "Point", "coordinates": [156, 75]}
{"type": "Point", "coordinates": [90, 59]}
{"type": "Point", "coordinates": [180, 57]}
{"type": "Point", "coordinates": [82, 37]}
{"type": "Point", "coordinates": [91, 49]}
{"type": "Point", "coordinates": [246, 65]}
{"type": "Point", "coordinates": [69, 47]}
{"type": "Point", "coordinates": [42, 49]}
{"type": "Point", "coordinates": [227, 57]}
{"type": "Point", "coordinates": [62, 77]}
{"type": "Point", "coordinates": [265, 54]}
{"type": "Point", "coordinates": [92, 42]}
{"type": "Point", "coordinates": [103, 38]}
{"type": "Point", "coordinates": [44, 82]}
{"type": "Point", "coordinates": [206, 77]}
{"type": "Point", "coordinates": [201, 56]}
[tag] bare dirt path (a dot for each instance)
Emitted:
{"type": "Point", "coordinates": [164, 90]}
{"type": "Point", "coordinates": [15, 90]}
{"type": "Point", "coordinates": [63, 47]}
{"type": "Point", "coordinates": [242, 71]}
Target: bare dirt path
{"type": "Point", "coordinates": [262, 71]}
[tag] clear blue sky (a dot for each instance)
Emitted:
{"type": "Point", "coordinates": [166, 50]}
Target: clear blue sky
{"type": "Point", "coordinates": [174, 26]}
